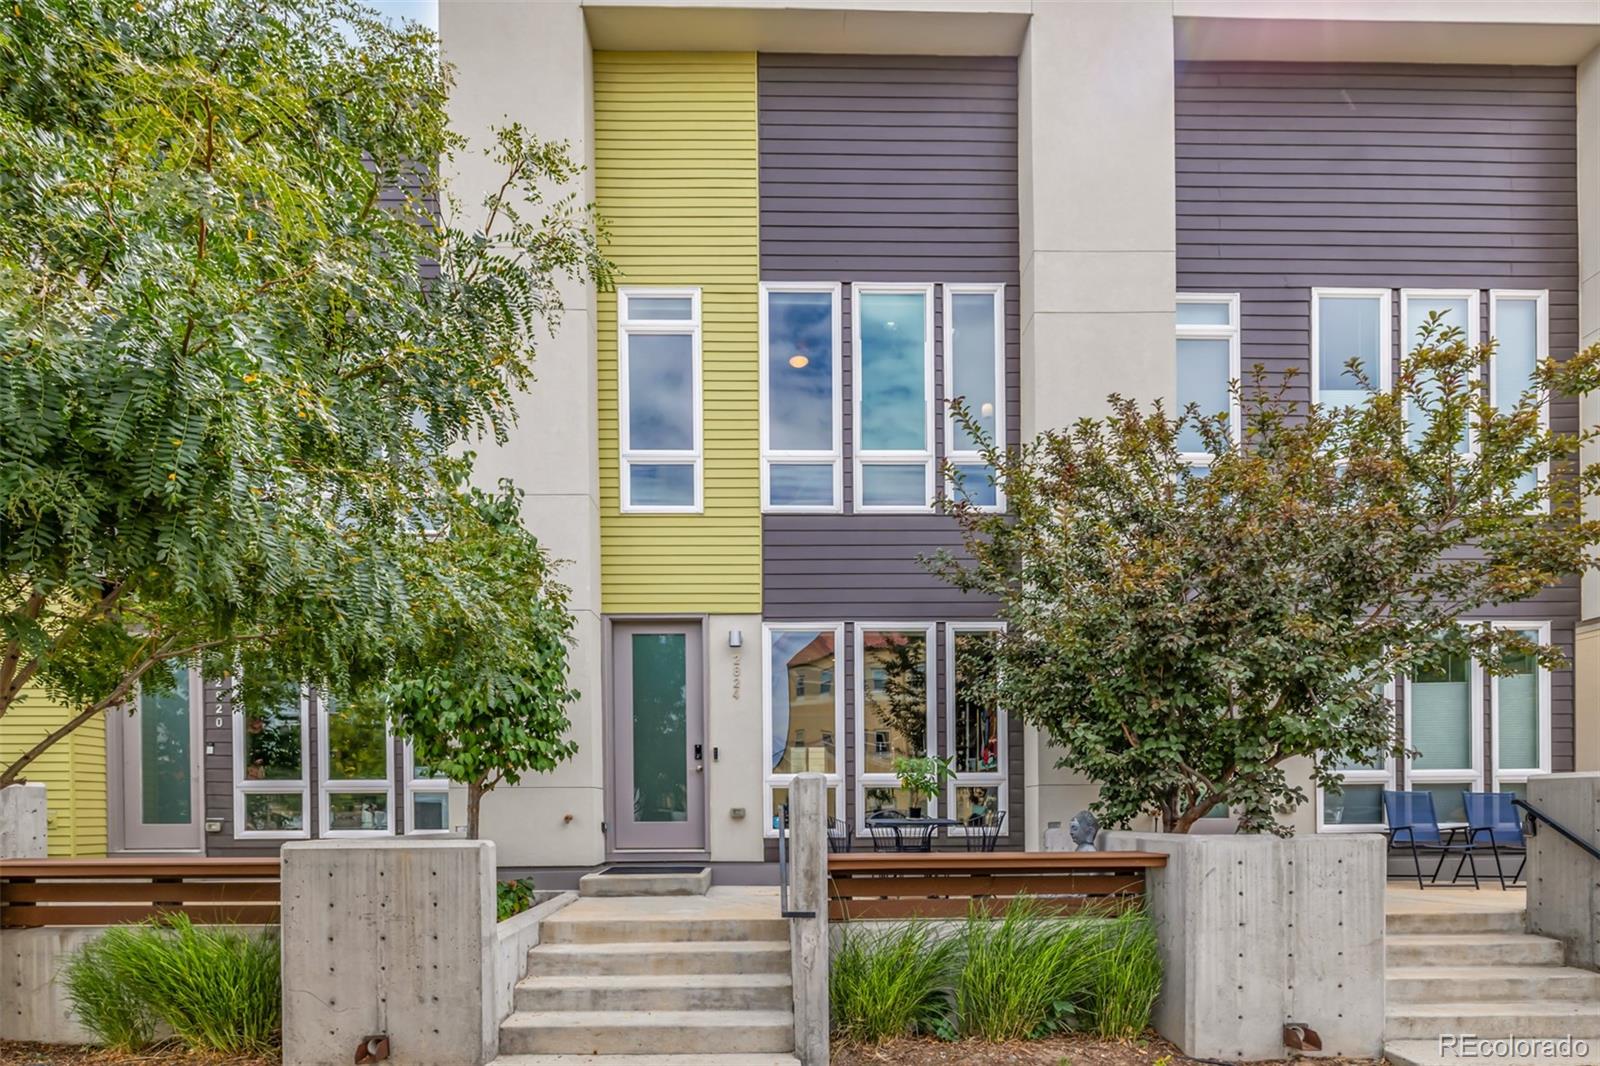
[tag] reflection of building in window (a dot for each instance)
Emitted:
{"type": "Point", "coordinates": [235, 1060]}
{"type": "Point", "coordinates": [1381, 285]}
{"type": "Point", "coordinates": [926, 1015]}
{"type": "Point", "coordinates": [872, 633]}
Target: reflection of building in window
{"type": "Point", "coordinates": [880, 679]}
{"type": "Point", "coordinates": [807, 706]}
{"type": "Point", "coordinates": [825, 684]}
{"type": "Point", "coordinates": [799, 682]}
{"type": "Point", "coordinates": [880, 742]}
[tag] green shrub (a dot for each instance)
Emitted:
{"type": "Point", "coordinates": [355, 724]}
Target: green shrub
{"type": "Point", "coordinates": [1127, 976]}
{"type": "Point", "coordinates": [1023, 975]}
{"type": "Point", "coordinates": [512, 897]}
{"type": "Point", "coordinates": [890, 981]}
{"type": "Point", "coordinates": [215, 989]}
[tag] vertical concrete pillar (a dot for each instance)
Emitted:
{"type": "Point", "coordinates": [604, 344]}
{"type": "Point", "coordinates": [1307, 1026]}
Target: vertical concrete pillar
{"type": "Point", "coordinates": [1563, 879]}
{"type": "Point", "coordinates": [808, 937]}
{"type": "Point", "coordinates": [394, 938]}
{"type": "Point", "coordinates": [1097, 200]}
{"type": "Point", "coordinates": [1587, 651]}
{"type": "Point", "coordinates": [530, 63]}
{"type": "Point", "coordinates": [24, 822]}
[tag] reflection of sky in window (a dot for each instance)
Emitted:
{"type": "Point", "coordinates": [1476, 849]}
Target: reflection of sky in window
{"type": "Point", "coordinates": [1202, 380]}
{"type": "Point", "coordinates": [894, 485]}
{"type": "Point", "coordinates": [660, 392]}
{"type": "Point", "coordinates": [800, 371]}
{"type": "Point", "coordinates": [1516, 324]}
{"type": "Point", "coordinates": [800, 484]}
{"type": "Point", "coordinates": [1417, 312]}
{"type": "Point", "coordinates": [660, 485]}
{"type": "Point", "coordinates": [1347, 328]}
{"type": "Point", "coordinates": [972, 375]}
{"type": "Point", "coordinates": [975, 484]}
{"type": "Point", "coordinates": [785, 646]}
{"type": "Point", "coordinates": [893, 396]}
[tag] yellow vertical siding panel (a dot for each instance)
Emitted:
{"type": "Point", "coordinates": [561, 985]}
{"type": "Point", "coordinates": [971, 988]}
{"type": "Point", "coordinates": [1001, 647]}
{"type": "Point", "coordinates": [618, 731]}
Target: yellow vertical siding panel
{"type": "Point", "coordinates": [675, 169]}
{"type": "Point", "coordinates": [73, 771]}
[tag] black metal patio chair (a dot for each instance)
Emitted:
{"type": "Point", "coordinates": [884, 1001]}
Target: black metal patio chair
{"type": "Point", "coordinates": [983, 831]}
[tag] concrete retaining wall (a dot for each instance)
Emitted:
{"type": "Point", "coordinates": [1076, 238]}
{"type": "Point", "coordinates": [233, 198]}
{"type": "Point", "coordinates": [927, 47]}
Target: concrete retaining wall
{"type": "Point", "coordinates": [1563, 879]}
{"type": "Point", "coordinates": [24, 825]}
{"type": "Point", "coordinates": [514, 937]}
{"type": "Point", "coordinates": [1257, 932]}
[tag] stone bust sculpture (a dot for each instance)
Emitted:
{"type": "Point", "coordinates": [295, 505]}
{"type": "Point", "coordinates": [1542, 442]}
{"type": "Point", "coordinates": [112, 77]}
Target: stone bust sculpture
{"type": "Point", "coordinates": [1084, 828]}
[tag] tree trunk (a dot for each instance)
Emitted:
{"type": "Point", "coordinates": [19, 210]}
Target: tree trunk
{"type": "Point", "coordinates": [475, 791]}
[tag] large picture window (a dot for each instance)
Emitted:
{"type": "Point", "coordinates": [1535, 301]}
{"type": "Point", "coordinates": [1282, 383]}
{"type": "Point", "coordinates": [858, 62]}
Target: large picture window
{"type": "Point", "coordinates": [975, 371]}
{"type": "Point", "coordinates": [1519, 714]}
{"type": "Point", "coordinates": [271, 796]}
{"type": "Point", "coordinates": [357, 767]}
{"type": "Point", "coordinates": [1349, 324]}
{"type": "Point", "coordinates": [894, 712]}
{"type": "Point", "coordinates": [975, 728]}
{"type": "Point", "coordinates": [1358, 806]}
{"type": "Point", "coordinates": [801, 423]}
{"type": "Point", "coordinates": [1208, 361]}
{"type": "Point", "coordinates": [1444, 716]}
{"type": "Point", "coordinates": [803, 706]}
{"type": "Point", "coordinates": [1519, 322]}
{"type": "Point", "coordinates": [1458, 309]}
{"type": "Point", "coordinates": [659, 407]}
{"type": "Point", "coordinates": [892, 328]}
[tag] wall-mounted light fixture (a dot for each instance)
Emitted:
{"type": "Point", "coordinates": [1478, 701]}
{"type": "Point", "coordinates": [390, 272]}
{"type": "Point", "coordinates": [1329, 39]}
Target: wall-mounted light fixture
{"type": "Point", "coordinates": [735, 639]}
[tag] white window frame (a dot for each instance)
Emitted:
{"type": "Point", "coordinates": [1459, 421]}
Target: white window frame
{"type": "Point", "coordinates": [426, 786]}
{"type": "Point", "coordinates": [1471, 331]}
{"type": "Point", "coordinates": [1541, 297]}
{"type": "Point", "coordinates": [770, 456]}
{"type": "Point", "coordinates": [1230, 333]}
{"type": "Point", "coordinates": [327, 788]}
{"type": "Point", "coordinates": [879, 780]}
{"type": "Point", "coordinates": [627, 455]}
{"type": "Point", "coordinates": [998, 779]}
{"type": "Point", "coordinates": [1472, 778]}
{"type": "Point", "coordinates": [1384, 777]}
{"type": "Point", "coordinates": [770, 780]}
{"type": "Point", "coordinates": [962, 457]}
{"type": "Point", "coordinates": [243, 786]}
{"type": "Point", "coordinates": [861, 458]}
{"type": "Point", "coordinates": [1520, 777]}
{"type": "Point", "coordinates": [1385, 317]}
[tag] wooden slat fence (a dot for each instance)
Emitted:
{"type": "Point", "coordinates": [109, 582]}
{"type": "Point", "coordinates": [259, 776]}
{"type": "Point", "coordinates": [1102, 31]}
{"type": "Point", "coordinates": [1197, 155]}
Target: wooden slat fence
{"type": "Point", "coordinates": [945, 885]}
{"type": "Point", "coordinates": [211, 891]}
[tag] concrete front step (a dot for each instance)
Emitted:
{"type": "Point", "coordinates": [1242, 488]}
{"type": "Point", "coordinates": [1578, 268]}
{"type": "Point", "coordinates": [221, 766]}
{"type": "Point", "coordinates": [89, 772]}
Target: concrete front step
{"type": "Point", "coordinates": [1471, 949]}
{"type": "Point", "coordinates": [1428, 1053]}
{"type": "Point", "coordinates": [648, 1060]}
{"type": "Point", "coordinates": [661, 930]}
{"type": "Point", "coordinates": [733, 956]}
{"type": "Point", "coordinates": [733, 991]}
{"type": "Point", "coordinates": [1502, 921]}
{"type": "Point", "coordinates": [1446, 984]}
{"type": "Point", "coordinates": [627, 1032]}
{"type": "Point", "coordinates": [1491, 1018]}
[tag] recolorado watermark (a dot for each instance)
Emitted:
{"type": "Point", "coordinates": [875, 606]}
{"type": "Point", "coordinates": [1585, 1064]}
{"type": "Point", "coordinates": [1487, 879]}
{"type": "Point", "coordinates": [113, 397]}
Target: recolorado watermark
{"type": "Point", "coordinates": [1468, 1046]}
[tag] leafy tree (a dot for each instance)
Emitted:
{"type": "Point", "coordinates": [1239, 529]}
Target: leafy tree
{"type": "Point", "coordinates": [1183, 633]}
{"type": "Point", "coordinates": [242, 353]}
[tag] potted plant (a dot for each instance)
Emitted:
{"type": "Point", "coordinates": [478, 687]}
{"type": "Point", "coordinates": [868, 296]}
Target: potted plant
{"type": "Point", "coordinates": [924, 777]}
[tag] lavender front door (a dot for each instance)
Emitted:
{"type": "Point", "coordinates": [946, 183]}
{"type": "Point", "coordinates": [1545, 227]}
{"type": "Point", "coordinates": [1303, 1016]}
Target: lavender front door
{"type": "Point", "coordinates": [658, 737]}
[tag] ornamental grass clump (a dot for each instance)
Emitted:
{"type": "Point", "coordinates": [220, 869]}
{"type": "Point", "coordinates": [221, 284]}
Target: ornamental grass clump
{"type": "Point", "coordinates": [213, 989]}
{"type": "Point", "coordinates": [891, 982]}
{"type": "Point", "coordinates": [1126, 976]}
{"type": "Point", "coordinates": [1023, 975]}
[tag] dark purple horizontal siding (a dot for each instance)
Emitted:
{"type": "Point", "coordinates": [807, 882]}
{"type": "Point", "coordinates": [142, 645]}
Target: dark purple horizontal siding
{"type": "Point", "coordinates": [896, 168]}
{"type": "Point", "coordinates": [1297, 175]}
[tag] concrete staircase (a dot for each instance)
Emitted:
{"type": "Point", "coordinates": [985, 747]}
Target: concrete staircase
{"type": "Point", "coordinates": [1465, 972]}
{"type": "Point", "coordinates": [653, 989]}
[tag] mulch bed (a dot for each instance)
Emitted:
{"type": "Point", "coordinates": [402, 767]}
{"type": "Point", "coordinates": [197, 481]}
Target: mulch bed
{"type": "Point", "coordinates": [14, 1053]}
{"type": "Point", "coordinates": [1080, 1050]}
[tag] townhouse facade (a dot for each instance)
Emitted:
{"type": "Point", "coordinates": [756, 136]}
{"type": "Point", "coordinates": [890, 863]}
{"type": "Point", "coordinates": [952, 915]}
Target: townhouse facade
{"type": "Point", "coordinates": [831, 218]}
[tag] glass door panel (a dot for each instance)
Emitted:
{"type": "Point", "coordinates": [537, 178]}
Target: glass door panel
{"type": "Point", "coordinates": [658, 734]}
{"type": "Point", "coordinates": [160, 783]}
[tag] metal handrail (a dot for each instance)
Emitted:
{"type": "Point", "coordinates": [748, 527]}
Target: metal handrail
{"type": "Point", "coordinates": [1535, 816]}
{"type": "Point", "coordinates": [783, 869]}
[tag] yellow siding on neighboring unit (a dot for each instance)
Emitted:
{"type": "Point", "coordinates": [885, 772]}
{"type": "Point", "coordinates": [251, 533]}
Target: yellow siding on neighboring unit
{"type": "Point", "coordinates": [73, 771]}
{"type": "Point", "coordinates": [676, 179]}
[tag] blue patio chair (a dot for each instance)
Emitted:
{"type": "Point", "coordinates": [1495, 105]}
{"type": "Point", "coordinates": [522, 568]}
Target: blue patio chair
{"type": "Point", "coordinates": [1413, 825]}
{"type": "Point", "coordinates": [1491, 814]}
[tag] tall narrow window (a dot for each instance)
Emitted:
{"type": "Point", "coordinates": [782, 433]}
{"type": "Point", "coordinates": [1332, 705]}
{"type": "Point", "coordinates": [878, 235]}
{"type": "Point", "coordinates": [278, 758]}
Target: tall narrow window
{"type": "Point", "coordinates": [658, 387]}
{"type": "Point", "coordinates": [975, 371]}
{"type": "Point", "coordinates": [975, 726]}
{"type": "Point", "coordinates": [803, 710]}
{"type": "Point", "coordinates": [1349, 324]}
{"type": "Point", "coordinates": [895, 708]}
{"type": "Point", "coordinates": [427, 797]}
{"type": "Point", "coordinates": [1457, 309]}
{"type": "Point", "coordinates": [165, 760]}
{"type": "Point", "coordinates": [1443, 724]}
{"type": "Point", "coordinates": [1519, 322]}
{"type": "Point", "coordinates": [1358, 807]}
{"type": "Point", "coordinates": [801, 427]}
{"type": "Point", "coordinates": [357, 765]}
{"type": "Point", "coordinates": [271, 791]}
{"type": "Point", "coordinates": [1519, 714]}
{"type": "Point", "coordinates": [893, 385]}
{"type": "Point", "coordinates": [1208, 360]}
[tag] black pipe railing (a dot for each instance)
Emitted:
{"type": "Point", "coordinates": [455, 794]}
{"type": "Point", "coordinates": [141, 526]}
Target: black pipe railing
{"type": "Point", "coordinates": [783, 869]}
{"type": "Point", "coordinates": [1535, 816]}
